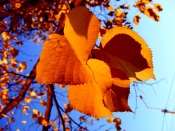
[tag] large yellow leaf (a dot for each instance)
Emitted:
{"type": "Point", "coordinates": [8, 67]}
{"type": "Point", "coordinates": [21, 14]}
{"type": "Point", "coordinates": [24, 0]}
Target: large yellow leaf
{"type": "Point", "coordinates": [122, 48]}
{"type": "Point", "coordinates": [59, 63]}
{"type": "Point", "coordinates": [81, 30]}
{"type": "Point", "coordinates": [63, 58]}
{"type": "Point", "coordinates": [88, 98]}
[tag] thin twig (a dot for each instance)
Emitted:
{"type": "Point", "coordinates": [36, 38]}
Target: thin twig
{"type": "Point", "coordinates": [135, 100]}
{"type": "Point", "coordinates": [48, 107]}
{"type": "Point", "coordinates": [79, 125]}
{"type": "Point", "coordinates": [58, 107]}
{"type": "Point", "coordinates": [10, 72]}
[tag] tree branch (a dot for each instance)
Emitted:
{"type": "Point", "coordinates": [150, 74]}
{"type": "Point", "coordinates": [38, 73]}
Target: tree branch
{"type": "Point", "coordinates": [10, 72]}
{"type": "Point", "coordinates": [58, 107]}
{"type": "Point", "coordinates": [61, 23]}
{"type": "Point", "coordinates": [48, 107]}
{"type": "Point", "coordinates": [22, 93]}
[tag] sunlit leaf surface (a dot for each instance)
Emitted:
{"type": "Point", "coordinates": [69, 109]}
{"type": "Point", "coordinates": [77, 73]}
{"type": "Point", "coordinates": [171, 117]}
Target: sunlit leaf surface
{"type": "Point", "coordinates": [123, 49]}
{"type": "Point", "coordinates": [88, 98]}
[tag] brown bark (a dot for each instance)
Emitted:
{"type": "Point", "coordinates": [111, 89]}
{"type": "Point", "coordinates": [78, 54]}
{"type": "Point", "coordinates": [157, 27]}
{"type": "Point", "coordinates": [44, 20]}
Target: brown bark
{"type": "Point", "coordinates": [48, 107]}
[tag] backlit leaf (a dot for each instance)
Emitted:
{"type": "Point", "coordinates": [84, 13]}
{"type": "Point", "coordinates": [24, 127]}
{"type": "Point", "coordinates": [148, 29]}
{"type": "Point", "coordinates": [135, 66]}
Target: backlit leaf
{"type": "Point", "coordinates": [35, 111]}
{"type": "Point", "coordinates": [120, 78]}
{"type": "Point", "coordinates": [145, 1]}
{"type": "Point", "coordinates": [150, 12]}
{"type": "Point", "coordinates": [63, 59]}
{"type": "Point", "coordinates": [22, 66]}
{"type": "Point", "coordinates": [56, 129]}
{"type": "Point", "coordinates": [52, 123]}
{"type": "Point", "coordinates": [118, 12]}
{"type": "Point", "coordinates": [44, 122]}
{"type": "Point", "coordinates": [43, 103]}
{"type": "Point", "coordinates": [27, 99]}
{"type": "Point", "coordinates": [13, 51]}
{"type": "Point", "coordinates": [32, 94]}
{"type": "Point", "coordinates": [13, 60]}
{"type": "Point", "coordinates": [110, 119]}
{"type": "Point", "coordinates": [122, 48]}
{"type": "Point", "coordinates": [136, 19]}
{"type": "Point", "coordinates": [81, 30]}
{"type": "Point", "coordinates": [117, 121]}
{"type": "Point", "coordinates": [24, 122]}
{"type": "Point", "coordinates": [116, 99]}
{"type": "Point", "coordinates": [12, 119]}
{"type": "Point", "coordinates": [59, 63]}
{"type": "Point", "coordinates": [26, 107]}
{"type": "Point", "coordinates": [88, 98]}
{"type": "Point", "coordinates": [67, 108]}
{"type": "Point", "coordinates": [4, 35]}
{"type": "Point", "coordinates": [17, 5]}
{"type": "Point", "coordinates": [158, 7]}
{"type": "Point", "coordinates": [110, 8]}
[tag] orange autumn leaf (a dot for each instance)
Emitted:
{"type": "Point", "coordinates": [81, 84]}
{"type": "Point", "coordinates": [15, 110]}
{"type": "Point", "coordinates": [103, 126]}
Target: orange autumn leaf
{"type": "Point", "coordinates": [136, 19]}
{"type": "Point", "coordinates": [32, 94]}
{"type": "Point", "coordinates": [24, 122]}
{"type": "Point", "coordinates": [63, 58]}
{"type": "Point", "coordinates": [52, 123]}
{"type": "Point", "coordinates": [44, 122]}
{"type": "Point", "coordinates": [150, 12]}
{"type": "Point", "coordinates": [116, 99]}
{"type": "Point", "coordinates": [110, 119]}
{"type": "Point", "coordinates": [22, 66]}
{"type": "Point", "coordinates": [81, 29]}
{"type": "Point", "coordinates": [88, 98]}
{"type": "Point", "coordinates": [119, 78]}
{"type": "Point", "coordinates": [158, 7]}
{"type": "Point", "coordinates": [4, 35]}
{"type": "Point", "coordinates": [59, 63]}
{"type": "Point", "coordinates": [117, 121]}
{"type": "Point", "coordinates": [35, 111]}
{"type": "Point", "coordinates": [122, 48]}
{"type": "Point", "coordinates": [27, 99]}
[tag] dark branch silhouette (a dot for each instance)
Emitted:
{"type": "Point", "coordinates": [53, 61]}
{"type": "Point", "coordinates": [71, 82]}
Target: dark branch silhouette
{"type": "Point", "coordinates": [57, 106]}
{"type": "Point", "coordinates": [48, 107]}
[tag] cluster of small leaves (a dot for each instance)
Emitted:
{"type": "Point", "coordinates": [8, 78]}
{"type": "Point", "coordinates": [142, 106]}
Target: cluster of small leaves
{"type": "Point", "coordinates": [10, 68]}
{"type": "Point", "coordinates": [35, 15]}
{"type": "Point", "coordinates": [117, 15]}
{"type": "Point", "coordinates": [149, 8]}
{"type": "Point", "coordinates": [26, 16]}
{"type": "Point", "coordinates": [112, 15]}
{"type": "Point", "coordinates": [11, 78]}
{"type": "Point", "coordinates": [94, 3]}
